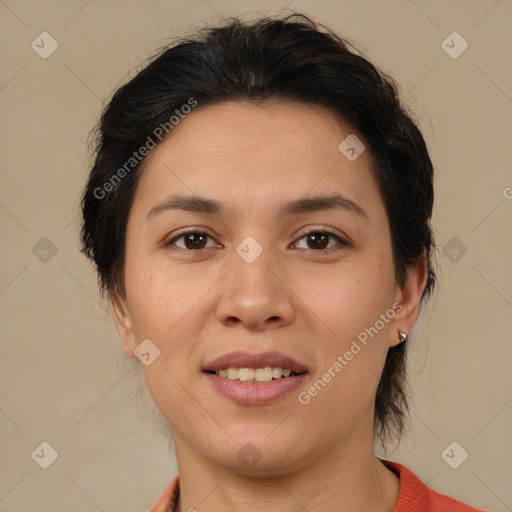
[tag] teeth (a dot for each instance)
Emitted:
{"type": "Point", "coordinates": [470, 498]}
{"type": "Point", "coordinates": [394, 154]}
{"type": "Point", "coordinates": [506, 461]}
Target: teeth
{"type": "Point", "coordinates": [245, 374]}
{"type": "Point", "coordinates": [276, 372]}
{"type": "Point", "coordinates": [265, 374]}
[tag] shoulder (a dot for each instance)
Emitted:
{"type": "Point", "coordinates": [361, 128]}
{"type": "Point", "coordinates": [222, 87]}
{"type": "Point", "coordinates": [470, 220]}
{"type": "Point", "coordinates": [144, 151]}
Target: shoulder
{"type": "Point", "coordinates": [415, 496]}
{"type": "Point", "coordinates": [169, 498]}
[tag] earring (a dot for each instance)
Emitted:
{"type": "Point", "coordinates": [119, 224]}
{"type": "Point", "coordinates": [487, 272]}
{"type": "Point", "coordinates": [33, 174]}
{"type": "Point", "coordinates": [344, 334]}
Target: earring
{"type": "Point", "coordinates": [403, 337]}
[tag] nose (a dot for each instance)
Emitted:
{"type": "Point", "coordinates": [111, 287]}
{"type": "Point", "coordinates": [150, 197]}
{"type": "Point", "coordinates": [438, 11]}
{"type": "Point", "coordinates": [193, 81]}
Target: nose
{"type": "Point", "coordinates": [256, 295]}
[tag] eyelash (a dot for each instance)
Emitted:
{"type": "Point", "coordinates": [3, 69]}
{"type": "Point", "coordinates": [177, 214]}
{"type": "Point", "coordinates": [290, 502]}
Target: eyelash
{"type": "Point", "coordinates": [342, 242]}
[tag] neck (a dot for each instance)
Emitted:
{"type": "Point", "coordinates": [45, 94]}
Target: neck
{"type": "Point", "coordinates": [343, 479]}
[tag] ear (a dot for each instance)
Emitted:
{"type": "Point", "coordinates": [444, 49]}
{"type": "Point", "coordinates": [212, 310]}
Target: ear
{"type": "Point", "coordinates": [124, 326]}
{"type": "Point", "coordinates": [409, 297]}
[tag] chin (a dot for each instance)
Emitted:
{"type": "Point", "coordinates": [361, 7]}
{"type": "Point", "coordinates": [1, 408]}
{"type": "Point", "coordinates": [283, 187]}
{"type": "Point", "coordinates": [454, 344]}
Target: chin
{"type": "Point", "coordinates": [257, 456]}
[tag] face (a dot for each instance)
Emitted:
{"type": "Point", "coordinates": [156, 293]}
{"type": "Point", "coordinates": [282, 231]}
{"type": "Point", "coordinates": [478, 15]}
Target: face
{"type": "Point", "coordinates": [248, 277]}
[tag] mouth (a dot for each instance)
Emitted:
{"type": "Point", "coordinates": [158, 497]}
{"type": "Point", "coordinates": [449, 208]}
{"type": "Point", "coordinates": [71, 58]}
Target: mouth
{"type": "Point", "coordinates": [255, 379]}
{"type": "Point", "coordinates": [255, 375]}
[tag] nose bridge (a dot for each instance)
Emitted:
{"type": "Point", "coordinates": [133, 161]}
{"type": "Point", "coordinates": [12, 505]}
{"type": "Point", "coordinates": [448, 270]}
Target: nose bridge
{"type": "Point", "coordinates": [253, 273]}
{"type": "Point", "coordinates": [253, 293]}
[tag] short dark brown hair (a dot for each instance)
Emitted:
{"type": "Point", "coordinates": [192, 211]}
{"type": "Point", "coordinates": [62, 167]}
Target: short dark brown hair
{"type": "Point", "coordinates": [292, 58]}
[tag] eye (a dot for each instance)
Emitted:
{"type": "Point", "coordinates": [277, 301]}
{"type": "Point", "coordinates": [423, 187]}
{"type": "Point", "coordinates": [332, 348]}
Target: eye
{"type": "Point", "coordinates": [193, 240]}
{"type": "Point", "coordinates": [319, 240]}
{"type": "Point", "coordinates": [196, 240]}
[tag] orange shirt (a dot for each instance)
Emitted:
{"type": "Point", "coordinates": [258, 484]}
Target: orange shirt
{"type": "Point", "coordinates": [414, 495]}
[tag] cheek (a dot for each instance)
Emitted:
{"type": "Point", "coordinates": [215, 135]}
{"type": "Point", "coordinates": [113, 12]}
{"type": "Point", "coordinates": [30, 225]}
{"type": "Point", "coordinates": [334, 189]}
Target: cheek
{"type": "Point", "coordinates": [159, 298]}
{"type": "Point", "coordinates": [353, 352]}
{"type": "Point", "coordinates": [165, 304]}
{"type": "Point", "coordinates": [351, 297]}
{"type": "Point", "coordinates": [354, 349]}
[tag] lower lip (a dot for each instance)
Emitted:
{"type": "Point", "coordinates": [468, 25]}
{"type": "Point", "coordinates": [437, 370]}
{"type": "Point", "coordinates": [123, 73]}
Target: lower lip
{"type": "Point", "coordinates": [261, 393]}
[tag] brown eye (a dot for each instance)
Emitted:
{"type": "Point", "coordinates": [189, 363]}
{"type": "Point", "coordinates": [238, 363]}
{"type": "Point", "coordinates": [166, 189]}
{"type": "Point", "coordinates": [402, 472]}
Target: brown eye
{"type": "Point", "coordinates": [319, 240]}
{"type": "Point", "coordinates": [192, 240]}
{"type": "Point", "coordinates": [315, 241]}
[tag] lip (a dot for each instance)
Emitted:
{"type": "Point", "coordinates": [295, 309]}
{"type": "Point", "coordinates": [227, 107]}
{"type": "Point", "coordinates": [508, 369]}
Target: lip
{"type": "Point", "coordinates": [256, 393]}
{"type": "Point", "coordinates": [240, 359]}
{"type": "Point", "coordinates": [260, 393]}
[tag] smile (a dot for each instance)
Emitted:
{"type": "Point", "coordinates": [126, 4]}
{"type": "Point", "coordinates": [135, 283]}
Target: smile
{"type": "Point", "coordinates": [255, 375]}
{"type": "Point", "coordinates": [251, 391]}
{"type": "Point", "coordinates": [255, 378]}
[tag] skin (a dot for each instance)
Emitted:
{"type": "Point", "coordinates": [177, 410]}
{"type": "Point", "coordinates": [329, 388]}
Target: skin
{"type": "Point", "coordinates": [196, 304]}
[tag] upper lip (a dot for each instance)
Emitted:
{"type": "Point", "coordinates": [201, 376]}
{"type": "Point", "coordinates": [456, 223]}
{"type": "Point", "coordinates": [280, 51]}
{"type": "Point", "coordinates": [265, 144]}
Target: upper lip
{"type": "Point", "coordinates": [240, 359]}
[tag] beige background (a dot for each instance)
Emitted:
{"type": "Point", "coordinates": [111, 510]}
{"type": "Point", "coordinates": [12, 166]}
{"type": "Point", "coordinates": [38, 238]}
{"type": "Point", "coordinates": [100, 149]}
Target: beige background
{"type": "Point", "coordinates": [63, 375]}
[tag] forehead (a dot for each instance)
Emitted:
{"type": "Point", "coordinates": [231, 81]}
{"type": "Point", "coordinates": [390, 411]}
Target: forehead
{"type": "Point", "coordinates": [307, 129]}
{"type": "Point", "coordinates": [248, 153]}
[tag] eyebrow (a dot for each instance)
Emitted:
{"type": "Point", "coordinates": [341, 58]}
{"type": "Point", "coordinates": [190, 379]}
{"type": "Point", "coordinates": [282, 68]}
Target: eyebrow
{"type": "Point", "coordinates": [212, 207]}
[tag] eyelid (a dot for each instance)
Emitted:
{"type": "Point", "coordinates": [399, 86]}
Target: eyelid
{"type": "Point", "coordinates": [343, 240]}
{"type": "Point", "coordinates": [169, 240]}
{"type": "Point", "coordinates": [329, 231]}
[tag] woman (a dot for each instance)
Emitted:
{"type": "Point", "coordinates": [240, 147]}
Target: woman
{"type": "Point", "coordinates": [259, 216]}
